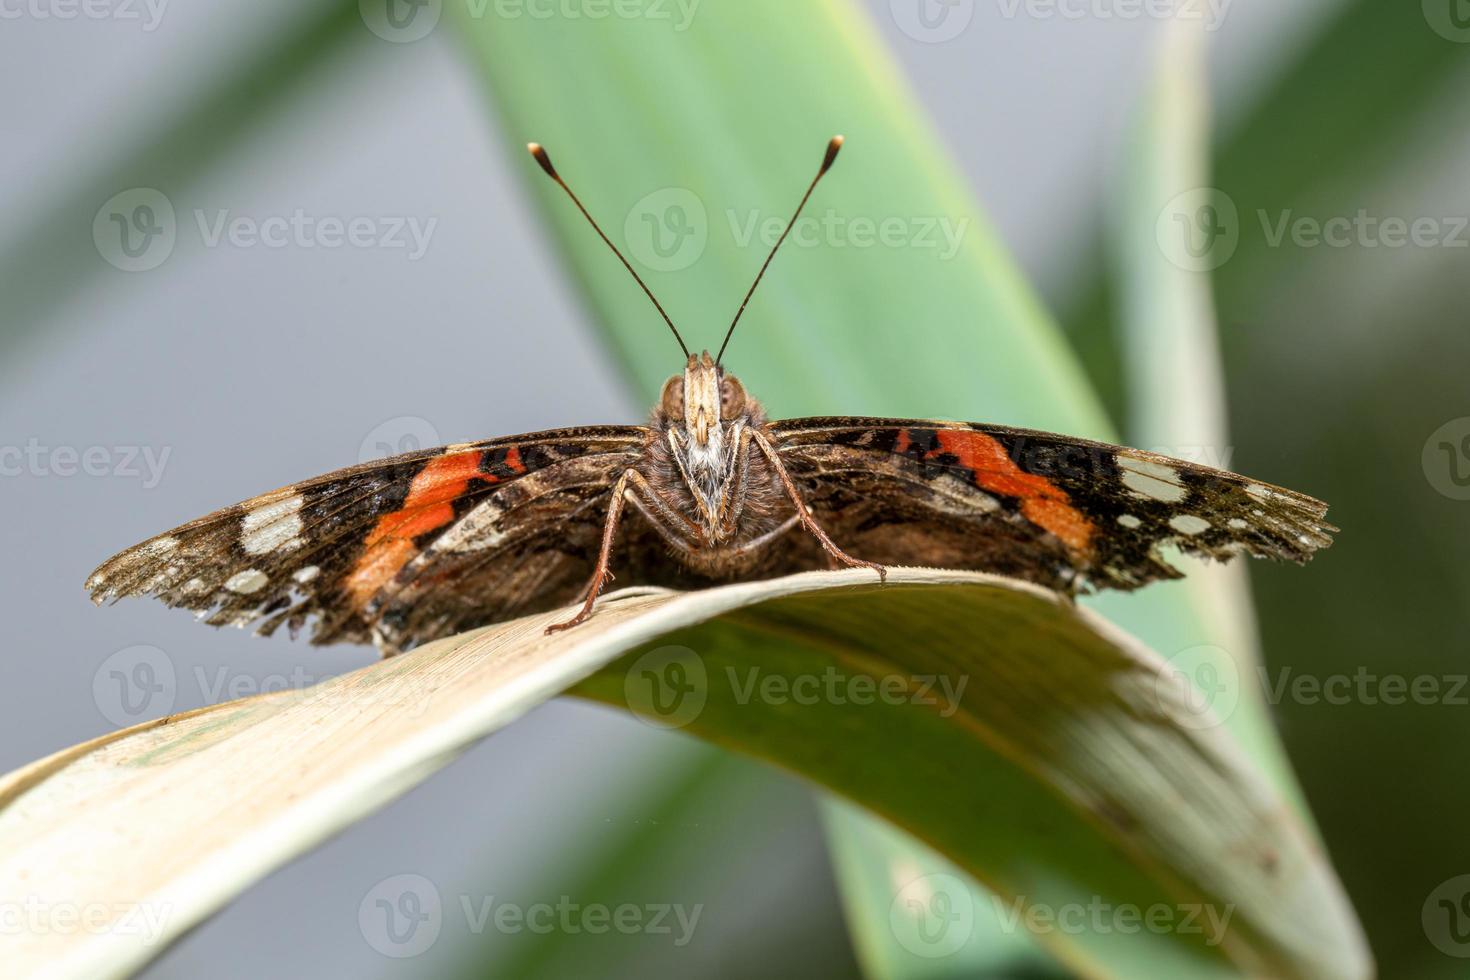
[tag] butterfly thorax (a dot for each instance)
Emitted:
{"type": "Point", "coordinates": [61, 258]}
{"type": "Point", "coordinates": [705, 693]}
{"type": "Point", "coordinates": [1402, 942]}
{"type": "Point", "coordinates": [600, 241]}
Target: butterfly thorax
{"type": "Point", "coordinates": [704, 458]}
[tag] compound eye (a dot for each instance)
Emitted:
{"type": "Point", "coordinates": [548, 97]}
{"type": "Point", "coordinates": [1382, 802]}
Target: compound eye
{"type": "Point", "coordinates": [732, 398]}
{"type": "Point", "coordinates": [671, 401]}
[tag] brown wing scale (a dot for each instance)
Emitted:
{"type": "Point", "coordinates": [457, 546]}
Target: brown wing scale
{"type": "Point", "coordinates": [328, 552]}
{"type": "Point", "coordinates": [1070, 514]}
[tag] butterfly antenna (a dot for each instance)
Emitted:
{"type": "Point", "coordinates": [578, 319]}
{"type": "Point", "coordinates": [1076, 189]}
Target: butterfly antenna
{"type": "Point", "coordinates": [542, 158]}
{"type": "Point", "coordinates": [832, 148]}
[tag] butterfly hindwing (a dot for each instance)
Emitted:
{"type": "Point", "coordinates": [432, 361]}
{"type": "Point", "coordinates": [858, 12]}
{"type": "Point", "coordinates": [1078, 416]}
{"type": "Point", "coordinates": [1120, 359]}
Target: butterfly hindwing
{"type": "Point", "coordinates": [322, 551]}
{"type": "Point", "coordinates": [1063, 512]}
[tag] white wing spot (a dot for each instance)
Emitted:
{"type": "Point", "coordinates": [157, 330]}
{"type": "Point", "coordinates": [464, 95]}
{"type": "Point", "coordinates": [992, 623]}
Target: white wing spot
{"type": "Point", "coordinates": [1129, 521]}
{"type": "Point", "coordinates": [1237, 524]}
{"type": "Point", "coordinates": [194, 586]}
{"type": "Point", "coordinates": [1153, 480]}
{"type": "Point", "coordinates": [1189, 524]}
{"type": "Point", "coordinates": [272, 526]}
{"type": "Point", "coordinates": [307, 574]}
{"type": "Point", "coordinates": [160, 546]}
{"type": "Point", "coordinates": [246, 582]}
{"type": "Point", "coordinates": [1257, 491]}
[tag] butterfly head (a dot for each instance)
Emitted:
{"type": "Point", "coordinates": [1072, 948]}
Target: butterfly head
{"type": "Point", "coordinates": [705, 399]}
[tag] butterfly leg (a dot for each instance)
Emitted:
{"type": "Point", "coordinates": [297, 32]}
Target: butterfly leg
{"type": "Point", "coordinates": [603, 571]}
{"type": "Point", "coordinates": [630, 486]}
{"type": "Point", "coordinates": [804, 513]}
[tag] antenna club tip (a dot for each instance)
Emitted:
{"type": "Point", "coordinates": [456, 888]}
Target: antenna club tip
{"type": "Point", "coordinates": [539, 152]}
{"type": "Point", "coordinates": [833, 148]}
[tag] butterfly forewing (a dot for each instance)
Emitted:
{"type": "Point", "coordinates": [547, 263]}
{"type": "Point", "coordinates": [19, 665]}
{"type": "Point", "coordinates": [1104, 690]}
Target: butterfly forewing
{"type": "Point", "coordinates": [1062, 512]}
{"type": "Point", "coordinates": [328, 551]}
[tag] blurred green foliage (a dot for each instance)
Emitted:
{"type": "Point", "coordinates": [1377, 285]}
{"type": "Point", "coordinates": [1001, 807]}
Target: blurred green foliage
{"type": "Point", "coordinates": [1341, 362]}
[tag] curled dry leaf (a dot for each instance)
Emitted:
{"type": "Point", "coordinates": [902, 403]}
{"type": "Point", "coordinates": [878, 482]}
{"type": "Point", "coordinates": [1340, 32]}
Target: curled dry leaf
{"type": "Point", "coordinates": [1026, 739]}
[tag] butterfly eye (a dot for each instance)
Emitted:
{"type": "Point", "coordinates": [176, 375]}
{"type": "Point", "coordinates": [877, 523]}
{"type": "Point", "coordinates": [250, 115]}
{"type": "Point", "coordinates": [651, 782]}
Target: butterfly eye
{"type": "Point", "coordinates": [671, 402]}
{"type": "Point", "coordinates": [732, 398]}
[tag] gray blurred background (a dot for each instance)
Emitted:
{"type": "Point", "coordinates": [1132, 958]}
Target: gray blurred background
{"type": "Point", "coordinates": [234, 368]}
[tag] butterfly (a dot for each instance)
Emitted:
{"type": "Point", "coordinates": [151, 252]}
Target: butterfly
{"type": "Point", "coordinates": [427, 544]}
